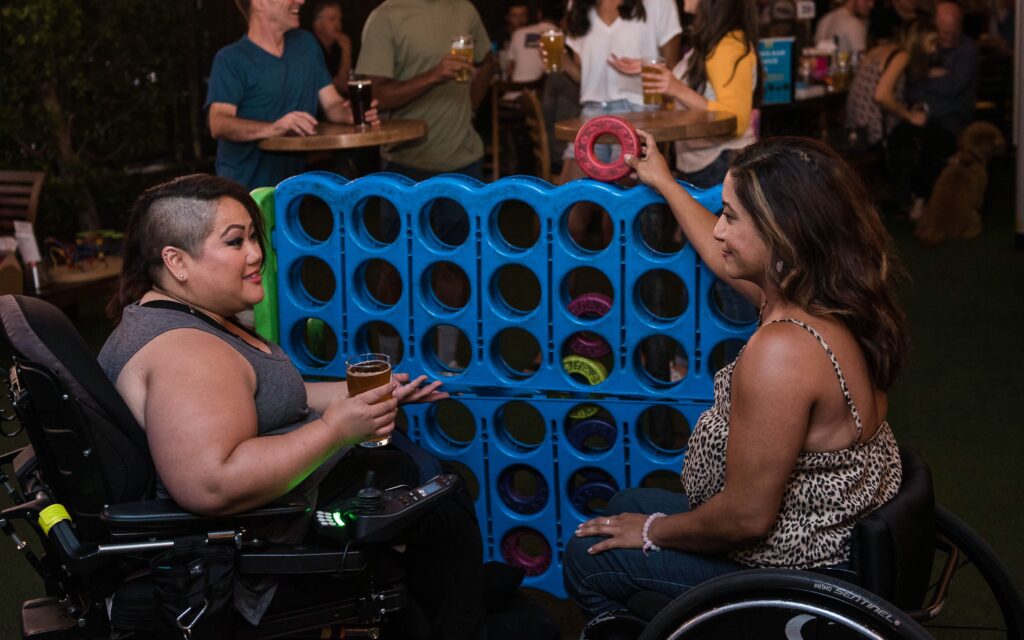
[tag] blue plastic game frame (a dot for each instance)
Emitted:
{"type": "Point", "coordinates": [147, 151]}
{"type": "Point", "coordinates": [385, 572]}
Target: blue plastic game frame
{"type": "Point", "coordinates": [487, 384]}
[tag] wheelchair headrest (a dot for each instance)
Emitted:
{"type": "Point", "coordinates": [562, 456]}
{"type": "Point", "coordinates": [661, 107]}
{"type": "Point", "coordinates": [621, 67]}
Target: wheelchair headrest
{"type": "Point", "coordinates": [39, 333]}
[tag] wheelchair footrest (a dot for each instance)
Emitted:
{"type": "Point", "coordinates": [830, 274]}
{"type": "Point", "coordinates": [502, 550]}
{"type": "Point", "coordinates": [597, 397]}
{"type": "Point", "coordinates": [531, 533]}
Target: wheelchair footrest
{"type": "Point", "coordinates": [44, 618]}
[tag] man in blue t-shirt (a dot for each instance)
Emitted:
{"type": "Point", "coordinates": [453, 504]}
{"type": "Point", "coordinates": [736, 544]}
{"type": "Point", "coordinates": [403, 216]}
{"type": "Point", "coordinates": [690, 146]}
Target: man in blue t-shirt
{"type": "Point", "coordinates": [267, 84]}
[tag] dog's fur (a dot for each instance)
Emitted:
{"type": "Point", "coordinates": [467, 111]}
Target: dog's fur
{"type": "Point", "coordinates": [954, 209]}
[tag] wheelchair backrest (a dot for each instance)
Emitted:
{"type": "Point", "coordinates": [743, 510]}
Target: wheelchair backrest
{"type": "Point", "coordinates": [88, 445]}
{"type": "Point", "coordinates": [892, 549]}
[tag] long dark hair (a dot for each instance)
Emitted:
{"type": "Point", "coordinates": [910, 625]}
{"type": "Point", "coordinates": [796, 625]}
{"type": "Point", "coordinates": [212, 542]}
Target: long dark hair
{"type": "Point", "coordinates": [829, 253]}
{"type": "Point", "coordinates": [578, 20]}
{"type": "Point", "coordinates": [179, 213]}
{"type": "Point", "coordinates": [911, 37]}
{"type": "Point", "coordinates": [714, 20]}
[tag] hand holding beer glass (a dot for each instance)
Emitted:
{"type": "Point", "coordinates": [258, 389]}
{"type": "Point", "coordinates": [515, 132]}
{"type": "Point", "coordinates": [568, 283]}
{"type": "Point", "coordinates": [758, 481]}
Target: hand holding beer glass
{"type": "Point", "coordinates": [462, 46]}
{"type": "Point", "coordinates": [364, 372]}
{"type": "Point", "coordinates": [552, 45]}
{"type": "Point", "coordinates": [653, 94]}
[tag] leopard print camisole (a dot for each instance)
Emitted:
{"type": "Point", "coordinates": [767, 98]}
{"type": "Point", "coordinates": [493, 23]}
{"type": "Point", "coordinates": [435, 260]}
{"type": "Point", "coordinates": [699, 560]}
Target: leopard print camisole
{"type": "Point", "coordinates": [825, 495]}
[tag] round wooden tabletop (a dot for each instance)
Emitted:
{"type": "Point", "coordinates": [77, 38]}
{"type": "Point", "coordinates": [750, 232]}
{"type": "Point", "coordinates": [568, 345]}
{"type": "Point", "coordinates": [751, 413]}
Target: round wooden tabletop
{"type": "Point", "coordinates": [665, 126]}
{"type": "Point", "coordinates": [330, 135]}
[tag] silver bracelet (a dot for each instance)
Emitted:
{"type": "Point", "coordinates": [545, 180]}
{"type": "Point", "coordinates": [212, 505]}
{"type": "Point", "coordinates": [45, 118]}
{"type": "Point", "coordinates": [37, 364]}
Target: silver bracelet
{"type": "Point", "coordinates": [645, 534]}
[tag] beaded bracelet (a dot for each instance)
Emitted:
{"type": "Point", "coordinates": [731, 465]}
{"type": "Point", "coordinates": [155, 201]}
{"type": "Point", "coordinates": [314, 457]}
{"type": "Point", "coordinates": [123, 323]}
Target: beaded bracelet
{"type": "Point", "coordinates": [645, 533]}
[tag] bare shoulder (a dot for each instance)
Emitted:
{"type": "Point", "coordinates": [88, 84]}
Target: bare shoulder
{"type": "Point", "coordinates": [190, 353]}
{"type": "Point", "coordinates": [781, 355]}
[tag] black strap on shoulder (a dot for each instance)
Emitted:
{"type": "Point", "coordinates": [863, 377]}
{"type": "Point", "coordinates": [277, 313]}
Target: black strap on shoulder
{"type": "Point", "coordinates": [177, 306]}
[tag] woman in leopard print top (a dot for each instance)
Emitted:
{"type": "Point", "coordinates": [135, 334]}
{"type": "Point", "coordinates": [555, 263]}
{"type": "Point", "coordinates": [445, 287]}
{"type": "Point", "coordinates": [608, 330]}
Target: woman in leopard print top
{"type": "Point", "coordinates": [796, 447]}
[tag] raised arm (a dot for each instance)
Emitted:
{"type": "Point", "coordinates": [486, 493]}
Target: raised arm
{"type": "Point", "coordinates": [393, 94]}
{"type": "Point", "coordinates": [698, 224]}
{"type": "Point", "coordinates": [194, 396]}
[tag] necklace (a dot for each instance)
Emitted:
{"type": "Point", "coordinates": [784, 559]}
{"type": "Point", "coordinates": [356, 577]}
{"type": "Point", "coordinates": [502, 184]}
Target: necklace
{"type": "Point", "coordinates": [177, 304]}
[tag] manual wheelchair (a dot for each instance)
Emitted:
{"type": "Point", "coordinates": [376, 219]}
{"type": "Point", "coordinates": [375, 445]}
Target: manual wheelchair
{"type": "Point", "coordinates": [84, 486]}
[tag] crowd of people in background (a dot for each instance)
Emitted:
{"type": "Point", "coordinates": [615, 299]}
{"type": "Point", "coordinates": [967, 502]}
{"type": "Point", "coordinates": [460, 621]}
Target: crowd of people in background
{"type": "Point", "coordinates": [913, 92]}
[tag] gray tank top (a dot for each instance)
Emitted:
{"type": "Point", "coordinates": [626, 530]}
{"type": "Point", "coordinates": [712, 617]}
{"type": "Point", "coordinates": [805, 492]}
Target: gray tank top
{"type": "Point", "coordinates": [280, 392]}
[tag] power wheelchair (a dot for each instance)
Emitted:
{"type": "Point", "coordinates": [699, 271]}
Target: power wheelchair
{"type": "Point", "coordinates": [84, 486]}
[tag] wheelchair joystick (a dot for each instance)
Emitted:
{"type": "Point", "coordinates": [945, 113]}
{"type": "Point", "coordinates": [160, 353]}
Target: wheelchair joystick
{"type": "Point", "coordinates": [369, 499]}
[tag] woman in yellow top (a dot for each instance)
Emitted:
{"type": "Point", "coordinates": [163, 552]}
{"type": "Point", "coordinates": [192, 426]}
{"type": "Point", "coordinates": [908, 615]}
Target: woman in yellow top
{"type": "Point", "coordinates": [718, 73]}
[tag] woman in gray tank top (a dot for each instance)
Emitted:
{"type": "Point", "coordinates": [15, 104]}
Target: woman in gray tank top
{"type": "Point", "coordinates": [230, 423]}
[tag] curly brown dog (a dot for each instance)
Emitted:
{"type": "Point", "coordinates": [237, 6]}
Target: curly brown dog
{"type": "Point", "coordinates": [954, 210]}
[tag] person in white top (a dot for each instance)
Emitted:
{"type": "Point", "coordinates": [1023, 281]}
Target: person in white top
{"type": "Point", "coordinates": [847, 26]}
{"type": "Point", "coordinates": [599, 31]}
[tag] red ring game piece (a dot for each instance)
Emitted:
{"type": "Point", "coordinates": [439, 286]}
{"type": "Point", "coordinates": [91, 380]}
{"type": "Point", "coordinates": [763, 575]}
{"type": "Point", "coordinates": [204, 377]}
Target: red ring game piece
{"type": "Point", "coordinates": [587, 137]}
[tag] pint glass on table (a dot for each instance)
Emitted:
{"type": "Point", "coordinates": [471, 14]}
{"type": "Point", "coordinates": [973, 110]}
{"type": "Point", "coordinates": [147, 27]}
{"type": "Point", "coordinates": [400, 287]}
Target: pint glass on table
{"type": "Point", "coordinates": [552, 42]}
{"type": "Point", "coordinates": [360, 96]}
{"type": "Point", "coordinates": [368, 371]}
{"type": "Point", "coordinates": [462, 46]}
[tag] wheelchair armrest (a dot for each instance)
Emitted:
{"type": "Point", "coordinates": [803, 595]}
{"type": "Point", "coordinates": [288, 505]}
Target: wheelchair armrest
{"type": "Point", "coordinates": [149, 514]}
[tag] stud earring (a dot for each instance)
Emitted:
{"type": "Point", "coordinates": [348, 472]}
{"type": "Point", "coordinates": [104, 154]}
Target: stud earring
{"type": "Point", "coordinates": [778, 266]}
{"type": "Point", "coordinates": [181, 276]}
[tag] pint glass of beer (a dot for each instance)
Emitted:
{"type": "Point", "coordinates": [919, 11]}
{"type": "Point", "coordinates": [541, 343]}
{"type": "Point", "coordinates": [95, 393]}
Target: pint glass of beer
{"type": "Point", "coordinates": [652, 65]}
{"type": "Point", "coordinates": [552, 42]}
{"type": "Point", "coordinates": [462, 46]}
{"type": "Point", "coordinates": [360, 96]}
{"type": "Point", "coordinates": [364, 372]}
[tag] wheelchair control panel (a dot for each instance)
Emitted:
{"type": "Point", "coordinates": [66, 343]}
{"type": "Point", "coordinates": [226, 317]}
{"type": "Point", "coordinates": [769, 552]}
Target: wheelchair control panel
{"type": "Point", "coordinates": [374, 515]}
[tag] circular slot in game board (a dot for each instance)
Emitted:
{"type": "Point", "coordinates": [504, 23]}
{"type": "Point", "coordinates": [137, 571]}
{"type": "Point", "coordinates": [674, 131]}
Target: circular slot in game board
{"type": "Point", "coordinates": [591, 428]}
{"type": "Point", "coordinates": [661, 361]}
{"type": "Point", "coordinates": [469, 480]}
{"type": "Point", "coordinates": [380, 337]}
{"type": "Point", "coordinates": [377, 222]}
{"type": "Point", "coordinates": [449, 349]}
{"type": "Point", "coordinates": [316, 341]}
{"type": "Point", "coordinates": [587, 358]}
{"type": "Point", "coordinates": [520, 426]}
{"type": "Point", "coordinates": [663, 430]}
{"type": "Point", "coordinates": [515, 290]}
{"type": "Point", "coordinates": [588, 227]}
{"type": "Point", "coordinates": [527, 548]}
{"type": "Point", "coordinates": [590, 489]}
{"type": "Point", "coordinates": [314, 217]}
{"type": "Point", "coordinates": [518, 353]}
{"type": "Point", "coordinates": [523, 489]}
{"type": "Point", "coordinates": [451, 423]}
{"type": "Point", "coordinates": [446, 288]}
{"type": "Point", "coordinates": [515, 225]}
{"type": "Point", "coordinates": [378, 284]}
{"type": "Point", "coordinates": [587, 293]}
{"type": "Point", "coordinates": [724, 353]}
{"type": "Point", "coordinates": [663, 479]}
{"type": "Point", "coordinates": [314, 280]}
{"type": "Point", "coordinates": [662, 294]}
{"type": "Point", "coordinates": [447, 223]}
{"type": "Point", "coordinates": [658, 230]}
{"type": "Point", "coordinates": [730, 306]}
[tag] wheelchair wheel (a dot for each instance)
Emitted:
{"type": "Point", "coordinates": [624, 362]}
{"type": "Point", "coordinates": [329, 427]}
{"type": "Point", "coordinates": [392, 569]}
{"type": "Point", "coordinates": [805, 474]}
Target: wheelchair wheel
{"type": "Point", "coordinates": [984, 600]}
{"type": "Point", "coordinates": [781, 603]}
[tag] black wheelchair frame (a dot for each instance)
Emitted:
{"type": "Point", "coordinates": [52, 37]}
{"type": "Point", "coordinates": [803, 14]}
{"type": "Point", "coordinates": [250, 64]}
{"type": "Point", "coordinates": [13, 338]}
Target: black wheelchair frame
{"type": "Point", "coordinates": [89, 456]}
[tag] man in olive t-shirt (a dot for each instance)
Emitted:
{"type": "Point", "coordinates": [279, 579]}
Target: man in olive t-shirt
{"type": "Point", "coordinates": [406, 51]}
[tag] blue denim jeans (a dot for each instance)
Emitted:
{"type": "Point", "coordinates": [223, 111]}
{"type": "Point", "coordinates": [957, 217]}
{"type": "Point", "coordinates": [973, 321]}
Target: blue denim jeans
{"type": "Point", "coordinates": [604, 152]}
{"type": "Point", "coordinates": [605, 581]}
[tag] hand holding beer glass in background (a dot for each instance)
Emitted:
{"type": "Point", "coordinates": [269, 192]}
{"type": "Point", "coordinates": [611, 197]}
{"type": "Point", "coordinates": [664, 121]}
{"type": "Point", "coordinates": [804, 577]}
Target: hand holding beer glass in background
{"type": "Point", "coordinates": [360, 95]}
{"type": "Point", "coordinates": [552, 45]}
{"type": "Point", "coordinates": [653, 97]}
{"type": "Point", "coordinates": [368, 371]}
{"type": "Point", "coordinates": [462, 47]}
